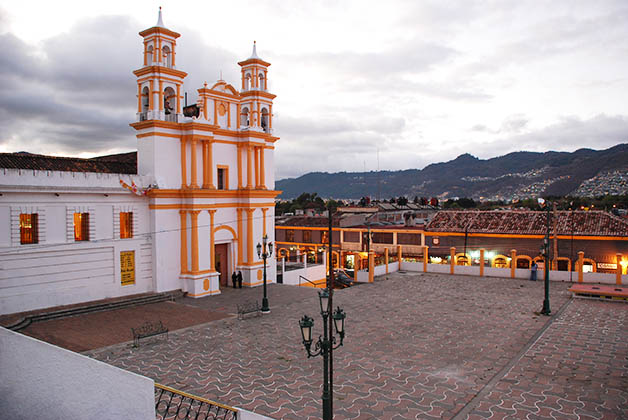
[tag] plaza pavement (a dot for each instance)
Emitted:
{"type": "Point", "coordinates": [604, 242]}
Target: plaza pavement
{"type": "Point", "coordinates": [417, 346]}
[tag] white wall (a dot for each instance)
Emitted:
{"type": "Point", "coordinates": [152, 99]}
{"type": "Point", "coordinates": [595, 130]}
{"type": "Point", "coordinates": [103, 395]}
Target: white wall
{"type": "Point", "coordinates": [249, 415]}
{"type": "Point", "coordinates": [58, 270]}
{"type": "Point", "coordinates": [520, 273]}
{"type": "Point", "coordinates": [311, 272]}
{"type": "Point", "coordinates": [42, 380]}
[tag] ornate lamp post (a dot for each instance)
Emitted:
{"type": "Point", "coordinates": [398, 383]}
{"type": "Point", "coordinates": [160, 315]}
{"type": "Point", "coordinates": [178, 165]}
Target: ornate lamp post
{"type": "Point", "coordinates": [324, 345]}
{"type": "Point", "coordinates": [545, 251]}
{"type": "Point", "coordinates": [265, 250]}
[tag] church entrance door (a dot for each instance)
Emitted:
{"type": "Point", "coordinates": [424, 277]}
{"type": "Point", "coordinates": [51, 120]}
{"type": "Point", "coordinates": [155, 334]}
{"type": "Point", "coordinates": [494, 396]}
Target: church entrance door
{"type": "Point", "coordinates": [222, 263]}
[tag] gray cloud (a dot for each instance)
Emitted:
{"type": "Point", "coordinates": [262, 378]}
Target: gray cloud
{"type": "Point", "coordinates": [568, 134]}
{"type": "Point", "coordinates": [76, 92]}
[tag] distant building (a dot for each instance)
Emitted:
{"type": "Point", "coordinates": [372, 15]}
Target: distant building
{"type": "Point", "coordinates": [600, 235]}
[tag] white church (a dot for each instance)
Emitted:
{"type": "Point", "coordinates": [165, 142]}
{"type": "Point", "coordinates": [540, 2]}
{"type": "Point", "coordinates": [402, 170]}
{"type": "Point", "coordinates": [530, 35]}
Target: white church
{"type": "Point", "coordinates": [183, 213]}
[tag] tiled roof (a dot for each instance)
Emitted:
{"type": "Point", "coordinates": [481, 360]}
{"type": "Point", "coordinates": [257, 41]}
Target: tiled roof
{"type": "Point", "coordinates": [123, 163]}
{"type": "Point", "coordinates": [306, 221]}
{"type": "Point", "coordinates": [582, 223]}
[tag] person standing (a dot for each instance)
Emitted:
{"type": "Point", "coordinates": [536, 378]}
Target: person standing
{"type": "Point", "coordinates": [533, 269]}
{"type": "Point", "coordinates": [240, 279]}
{"type": "Point", "coordinates": [234, 279]}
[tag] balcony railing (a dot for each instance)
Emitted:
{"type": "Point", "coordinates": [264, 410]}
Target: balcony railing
{"type": "Point", "coordinates": [171, 404]}
{"type": "Point", "coordinates": [171, 117]}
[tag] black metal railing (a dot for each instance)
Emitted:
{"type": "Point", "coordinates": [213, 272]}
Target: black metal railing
{"type": "Point", "coordinates": [171, 404]}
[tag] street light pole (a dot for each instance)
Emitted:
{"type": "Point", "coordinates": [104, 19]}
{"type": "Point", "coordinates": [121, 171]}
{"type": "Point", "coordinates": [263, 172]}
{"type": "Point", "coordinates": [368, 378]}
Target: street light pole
{"type": "Point", "coordinates": [330, 289]}
{"type": "Point", "coordinates": [546, 303]}
{"type": "Point", "coordinates": [324, 345]}
{"type": "Point", "coordinates": [264, 251]}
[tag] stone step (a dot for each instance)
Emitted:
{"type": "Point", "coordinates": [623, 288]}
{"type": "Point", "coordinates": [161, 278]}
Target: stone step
{"type": "Point", "coordinates": [97, 306]}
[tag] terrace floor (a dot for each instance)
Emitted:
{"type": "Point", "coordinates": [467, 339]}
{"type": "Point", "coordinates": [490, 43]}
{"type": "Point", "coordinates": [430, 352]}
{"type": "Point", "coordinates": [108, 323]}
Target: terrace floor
{"type": "Point", "coordinates": [417, 346]}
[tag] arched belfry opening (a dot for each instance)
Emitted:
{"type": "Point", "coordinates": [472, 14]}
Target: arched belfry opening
{"type": "Point", "coordinates": [145, 103]}
{"type": "Point", "coordinates": [167, 56]}
{"type": "Point", "coordinates": [262, 81]}
{"type": "Point", "coordinates": [149, 56]}
{"type": "Point", "coordinates": [265, 125]}
{"type": "Point", "coordinates": [170, 104]}
{"type": "Point", "coordinates": [244, 117]}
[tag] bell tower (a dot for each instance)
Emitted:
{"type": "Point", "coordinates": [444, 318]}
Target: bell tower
{"type": "Point", "coordinates": [256, 105]}
{"type": "Point", "coordinates": [158, 81]}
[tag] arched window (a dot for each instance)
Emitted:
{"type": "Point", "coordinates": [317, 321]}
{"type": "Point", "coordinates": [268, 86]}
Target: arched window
{"type": "Point", "coordinates": [500, 261]}
{"type": "Point", "coordinates": [149, 55]}
{"type": "Point", "coordinates": [167, 56]}
{"type": "Point", "coordinates": [247, 81]}
{"type": "Point", "coordinates": [244, 117]}
{"type": "Point", "coordinates": [262, 81]}
{"type": "Point", "coordinates": [265, 126]}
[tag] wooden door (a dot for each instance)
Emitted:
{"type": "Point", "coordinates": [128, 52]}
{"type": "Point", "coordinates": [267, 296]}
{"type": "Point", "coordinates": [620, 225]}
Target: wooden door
{"type": "Point", "coordinates": [222, 263]}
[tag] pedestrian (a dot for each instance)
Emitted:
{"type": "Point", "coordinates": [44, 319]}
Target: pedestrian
{"type": "Point", "coordinates": [240, 279]}
{"type": "Point", "coordinates": [533, 269]}
{"type": "Point", "coordinates": [234, 279]}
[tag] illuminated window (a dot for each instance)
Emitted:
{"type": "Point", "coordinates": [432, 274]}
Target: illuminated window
{"type": "Point", "coordinates": [81, 226]}
{"type": "Point", "coordinates": [223, 177]}
{"type": "Point", "coordinates": [325, 238]}
{"type": "Point", "coordinates": [290, 235]}
{"type": "Point", "coordinates": [307, 236]}
{"type": "Point", "coordinates": [126, 225]}
{"type": "Point", "coordinates": [28, 228]}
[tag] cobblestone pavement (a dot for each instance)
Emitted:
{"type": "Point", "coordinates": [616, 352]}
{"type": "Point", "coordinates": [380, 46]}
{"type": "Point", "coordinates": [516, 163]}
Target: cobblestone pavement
{"type": "Point", "coordinates": [417, 346]}
{"type": "Point", "coordinates": [578, 369]}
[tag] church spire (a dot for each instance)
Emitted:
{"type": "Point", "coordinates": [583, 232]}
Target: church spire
{"type": "Point", "coordinates": [254, 54]}
{"type": "Point", "coordinates": [160, 22]}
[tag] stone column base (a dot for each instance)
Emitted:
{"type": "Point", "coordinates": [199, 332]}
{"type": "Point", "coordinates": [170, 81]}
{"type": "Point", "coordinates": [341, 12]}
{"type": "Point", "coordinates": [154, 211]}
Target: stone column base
{"type": "Point", "coordinates": [254, 276]}
{"type": "Point", "coordinates": [199, 285]}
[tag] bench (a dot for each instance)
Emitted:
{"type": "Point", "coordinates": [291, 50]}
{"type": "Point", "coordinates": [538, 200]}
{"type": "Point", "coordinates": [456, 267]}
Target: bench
{"type": "Point", "coordinates": [249, 308]}
{"type": "Point", "coordinates": [148, 329]}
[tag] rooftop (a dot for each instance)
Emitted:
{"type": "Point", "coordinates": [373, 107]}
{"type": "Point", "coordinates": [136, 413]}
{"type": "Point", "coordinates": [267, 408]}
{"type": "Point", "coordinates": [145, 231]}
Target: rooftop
{"type": "Point", "coordinates": [580, 223]}
{"type": "Point", "coordinates": [122, 163]}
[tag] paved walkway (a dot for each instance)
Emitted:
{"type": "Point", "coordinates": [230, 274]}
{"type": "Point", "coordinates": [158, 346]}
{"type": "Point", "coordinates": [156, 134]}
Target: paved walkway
{"type": "Point", "coordinates": [578, 369]}
{"type": "Point", "coordinates": [417, 346]}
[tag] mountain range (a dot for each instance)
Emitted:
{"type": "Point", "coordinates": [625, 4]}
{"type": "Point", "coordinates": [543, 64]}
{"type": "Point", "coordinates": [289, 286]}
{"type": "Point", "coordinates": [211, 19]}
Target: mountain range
{"type": "Point", "coordinates": [512, 176]}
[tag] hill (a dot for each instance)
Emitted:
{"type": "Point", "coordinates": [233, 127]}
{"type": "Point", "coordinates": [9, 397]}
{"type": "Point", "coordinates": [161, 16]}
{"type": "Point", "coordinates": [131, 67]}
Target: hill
{"type": "Point", "coordinates": [515, 175]}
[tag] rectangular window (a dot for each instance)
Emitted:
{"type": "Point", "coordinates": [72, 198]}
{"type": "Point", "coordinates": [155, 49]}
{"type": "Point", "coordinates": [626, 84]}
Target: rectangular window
{"type": "Point", "coordinates": [290, 235]}
{"type": "Point", "coordinates": [126, 225]}
{"type": "Point", "coordinates": [307, 236]}
{"type": "Point", "coordinates": [28, 229]}
{"type": "Point", "coordinates": [81, 226]}
{"type": "Point", "coordinates": [223, 177]}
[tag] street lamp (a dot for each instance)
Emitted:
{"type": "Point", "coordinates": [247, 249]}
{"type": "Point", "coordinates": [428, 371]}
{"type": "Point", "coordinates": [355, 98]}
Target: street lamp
{"type": "Point", "coordinates": [265, 250]}
{"type": "Point", "coordinates": [324, 345]}
{"type": "Point", "coordinates": [546, 253]}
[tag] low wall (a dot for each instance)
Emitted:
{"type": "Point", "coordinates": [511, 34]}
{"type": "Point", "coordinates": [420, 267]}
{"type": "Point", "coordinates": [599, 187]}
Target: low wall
{"type": "Point", "coordinates": [312, 272]}
{"type": "Point", "coordinates": [249, 415]}
{"type": "Point", "coordinates": [42, 380]}
{"type": "Point", "coordinates": [380, 270]}
{"type": "Point", "coordinates": [520, 273]}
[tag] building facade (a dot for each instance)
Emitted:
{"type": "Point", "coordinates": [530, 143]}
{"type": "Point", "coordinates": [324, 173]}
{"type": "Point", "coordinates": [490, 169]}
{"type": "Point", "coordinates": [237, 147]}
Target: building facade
{"type": "Point", "coordinates": [187, 215]}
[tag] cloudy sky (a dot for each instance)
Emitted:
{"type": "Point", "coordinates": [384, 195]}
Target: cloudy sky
{"type": "Point", "coordinates": [360, 84]}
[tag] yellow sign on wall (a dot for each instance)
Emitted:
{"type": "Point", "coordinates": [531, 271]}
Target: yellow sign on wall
{"type": "Point", "coordinates": [127, 267]}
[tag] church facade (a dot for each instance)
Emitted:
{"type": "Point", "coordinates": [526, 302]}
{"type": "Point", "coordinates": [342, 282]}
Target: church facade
{"type": "Point", "coordinates": [186, 216]}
